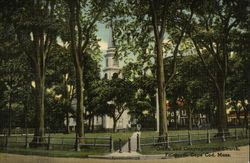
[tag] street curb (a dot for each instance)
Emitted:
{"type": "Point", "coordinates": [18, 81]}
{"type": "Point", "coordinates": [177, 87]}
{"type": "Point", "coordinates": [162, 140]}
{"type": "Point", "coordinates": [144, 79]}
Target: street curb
{"type": "Point", "coordinates": [139, 157]}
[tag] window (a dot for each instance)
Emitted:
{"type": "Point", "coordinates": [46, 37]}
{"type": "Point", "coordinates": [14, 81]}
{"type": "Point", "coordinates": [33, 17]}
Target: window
{"type": "Point", "coordinates": [105, 76]}
{"type": "Point", "coordinates": [183, 112]}
{"type": "Point", "coordinates": [115, 76]}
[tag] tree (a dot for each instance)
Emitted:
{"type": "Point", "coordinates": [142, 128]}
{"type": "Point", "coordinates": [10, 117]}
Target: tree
{"type": "Point", "coordinates": [212, 31]}
{"type": "Point", "coordinates": [189, 87]}
{"type": "Point", "coordinates": [83, 16]}
{"type": "Point", "coordinates": [60, 82]}
{"type": "Point", "coordinates": [15, 73]}
{"type": "Point", "coordinates": [143, 32]}
{"type": "Point", "coordinates": [238, 80]}
{"type": "Point", "coordinates": [35, 24]}
{"type": "Point", "coordinates": [91, 80]}
{"type": "Point", "coordinates": [12, 70]}
{"type": "Point", "coordinates": [115, 96]}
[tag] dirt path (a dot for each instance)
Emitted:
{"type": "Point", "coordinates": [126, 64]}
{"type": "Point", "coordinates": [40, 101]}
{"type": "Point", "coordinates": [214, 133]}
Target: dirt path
{"type": "Point", "coordinates": [241, 156]}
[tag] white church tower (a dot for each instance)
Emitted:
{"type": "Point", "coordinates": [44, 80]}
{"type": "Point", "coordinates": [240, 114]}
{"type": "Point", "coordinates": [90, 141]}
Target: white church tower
{"type": "Point", "coordinates": [112, 70]}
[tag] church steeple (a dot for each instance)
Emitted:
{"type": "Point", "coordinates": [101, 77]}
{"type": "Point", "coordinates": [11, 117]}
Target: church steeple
{"type": "Point", "coordinates": [111, 41]}
{"type": "Point", "coordinates": [112, 68]}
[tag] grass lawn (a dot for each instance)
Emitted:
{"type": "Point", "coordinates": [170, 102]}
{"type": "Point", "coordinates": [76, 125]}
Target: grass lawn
{"type": "Point", "coordinates": [55, 153]}
{"type": "Point", "coordinates": [67, 150]}
{"type": "Point", "coordinates": [115, 136]}
{"type": "Point", "coordinates": [198, 147]}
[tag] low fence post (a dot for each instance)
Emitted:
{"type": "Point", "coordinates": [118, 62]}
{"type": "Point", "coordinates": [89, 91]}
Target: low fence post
{"type": "Point", "coordinates": [167, 145]}
{"type": "Point", "coordinates": [62, 143]}
{"type": "Point", "coordinates": [77, 146]}
{"type": "Point", "coordinates": [111, 144]}
{"type": "Point", "coordinates": [48, 145]}
{"type": "Point", "coordinates": [129, 144]}
{"type": "Point", "coordinates": [94, 142]}
{"type": "Point", "coordinates": [26, 139]}
{"type": "Point", "coordinates": [6, 140]}
{"type": "Point", "coordinates": [189, 138]}
{"type": "Point", "coordinates": [138, 149]}
{"type": "Point", "coordinates": [26, 142]}
{"type": "Point", "coordinates": [208, 137]}
{"type": "Point", "coordinates": [120, 145]}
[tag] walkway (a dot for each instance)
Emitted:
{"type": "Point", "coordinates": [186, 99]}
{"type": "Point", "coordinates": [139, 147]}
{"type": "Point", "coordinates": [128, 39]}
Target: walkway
{"type": "Point", "coordinates": [125, 147]}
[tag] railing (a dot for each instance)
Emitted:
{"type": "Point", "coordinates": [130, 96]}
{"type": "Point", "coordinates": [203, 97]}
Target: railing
{"type": "Point", "coordinates": [189, 138]}
{"type": "Point", "coordinates": [50, 142]}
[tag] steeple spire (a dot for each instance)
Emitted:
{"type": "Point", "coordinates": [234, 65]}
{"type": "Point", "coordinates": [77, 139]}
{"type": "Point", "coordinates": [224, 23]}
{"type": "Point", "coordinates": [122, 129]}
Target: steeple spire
{"type": "Point", "coordinates": [111, 41]}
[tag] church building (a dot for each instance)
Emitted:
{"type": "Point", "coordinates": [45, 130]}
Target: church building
{"type": "Point", "coordinates": [110, 71]}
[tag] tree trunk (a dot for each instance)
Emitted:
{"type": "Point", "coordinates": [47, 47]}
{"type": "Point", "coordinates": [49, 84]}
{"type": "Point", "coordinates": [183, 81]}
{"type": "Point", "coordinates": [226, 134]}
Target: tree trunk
{"type": "Point", "coordinates": [114, 125]}
{"type": "Point", "coordinates": [159, 32]}
{"type": "Point", "coordinates": [39, 89]}
{"type": "Point", "coordinates": [238, 121]}
{"type": "Point", "coordinates": [175, 118]}
{"type": "Point", "coordinates": [80, 106]}
{"type": "Point", "coordinates": [92, 124]}
{"type": "Point", "coordinates": [76, 53]}
{"type": "Point", "coordinates": [210, 117]}
{"type": "Point", "coordinates": [9, 108]}
{"type": "Point", "coordinates": [190, 122]}
{"type": "Point", "coordinates": [67, 131]}
{"type": "Point", "coordinates": [244, 105]}
{"type": "Point", "coordinates": [161, 89]}
{"type": "Point", "coordinates": [246, 119]}
{"type": "Point", "coordinates": [89, 123]}
{"type": "Point", "coordinates": [222, 116]}
{"type": "Point", "coordinates": [25, 111]}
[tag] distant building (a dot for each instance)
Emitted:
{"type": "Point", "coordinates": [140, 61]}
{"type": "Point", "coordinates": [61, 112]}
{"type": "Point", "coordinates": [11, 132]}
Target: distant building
{"type": "Point", "coordinates": [72, 123]}
{"type": "Point", "coordinates": [240, 118]}
{"type": "Point", "coordinates": [179, 117]}
{"type": "Point", "coordinates": [112, 70]}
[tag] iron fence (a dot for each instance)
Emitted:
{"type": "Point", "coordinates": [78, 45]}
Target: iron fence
{"type": "Point", "coordinates": [51, 142]}
{"type": "Point", "coordinates": [190, 138]}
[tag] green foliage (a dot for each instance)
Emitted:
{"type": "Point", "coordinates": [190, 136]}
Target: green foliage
{"type": "Point", "coordinates": [192, 87]}
{"type": "Point", "coordinates": [116, 96]}
{"type": "Point", "coordinates": [112, 97]}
